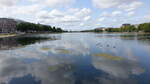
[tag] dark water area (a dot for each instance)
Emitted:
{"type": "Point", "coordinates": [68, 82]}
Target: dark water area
{"type": "Point", "coordinates": [75, 58]}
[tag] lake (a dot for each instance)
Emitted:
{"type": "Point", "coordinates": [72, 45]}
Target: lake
{"type": "Point", "coordinates": [75, 58]}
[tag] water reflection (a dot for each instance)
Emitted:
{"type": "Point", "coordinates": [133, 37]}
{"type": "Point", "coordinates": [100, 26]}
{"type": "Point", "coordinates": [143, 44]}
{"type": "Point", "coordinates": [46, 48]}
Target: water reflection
{"type": "Point", "coordinates": [121, 68]}
{"type": "Point", "coordinates": [136, 37]}
{"type": "Point", "coordinates": [19, 41]}
{"type": "Point", "coordinates": [127, 36]}
{"type": "Point", "coordinates": [73, 61]}
{"type": "Point", "coordinates": [28, 79]}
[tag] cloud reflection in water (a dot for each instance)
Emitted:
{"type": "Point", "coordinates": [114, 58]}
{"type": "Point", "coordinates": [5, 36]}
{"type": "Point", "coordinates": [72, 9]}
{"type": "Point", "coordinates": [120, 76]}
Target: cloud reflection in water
{"type": "Point", "coordinates": [67, 62]}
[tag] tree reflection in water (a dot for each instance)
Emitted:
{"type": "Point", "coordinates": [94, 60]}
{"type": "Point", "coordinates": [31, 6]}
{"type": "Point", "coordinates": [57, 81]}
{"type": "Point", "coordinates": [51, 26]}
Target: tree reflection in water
{"type": "Point", "coordinates": [69, 61]}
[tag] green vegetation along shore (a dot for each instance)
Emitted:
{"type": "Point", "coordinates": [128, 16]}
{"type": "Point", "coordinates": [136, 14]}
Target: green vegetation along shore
{"type": "Point", "coordinates": [144, 27]}
{"type": "Point", "coordinates": [7, 35]}
{"type": "Point", "coordinates": [9, 26]}
{"type": "Point", "coordinates": [31, 27]}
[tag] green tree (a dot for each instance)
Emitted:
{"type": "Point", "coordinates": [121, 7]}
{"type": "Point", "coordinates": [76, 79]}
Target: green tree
{"type": "Point", "coordinates": [145, 27]}
{"type": "Point", "coordinates": [31, 27]}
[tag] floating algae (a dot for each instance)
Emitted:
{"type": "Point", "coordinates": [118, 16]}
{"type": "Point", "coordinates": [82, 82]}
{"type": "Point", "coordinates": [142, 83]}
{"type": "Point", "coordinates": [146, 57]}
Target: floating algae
{"type": "Point", "coordinates": [107, 56]}
{"type": "Point", "coordinates": [53, 68]}
{"type": "Point", "coordinates": [45, 49]}
{"type": "Point", "coordinates": [7, 35]}
{"type": "Point", "coordinates": [56, 67]}
{"type": "Point", "coordinates": [138, 70]}
{"type": "Point", "coordinates": [63, 51]}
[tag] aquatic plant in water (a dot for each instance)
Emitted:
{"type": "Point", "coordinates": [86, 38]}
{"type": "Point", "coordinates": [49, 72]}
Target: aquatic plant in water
{"type": "Point", "coordinates": [63, 51]}
{"type": "Point", "coordinates": [107, 56]}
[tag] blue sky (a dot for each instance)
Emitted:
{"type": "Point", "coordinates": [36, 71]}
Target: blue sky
{"type": "Point", "coordinates": [78, 14]}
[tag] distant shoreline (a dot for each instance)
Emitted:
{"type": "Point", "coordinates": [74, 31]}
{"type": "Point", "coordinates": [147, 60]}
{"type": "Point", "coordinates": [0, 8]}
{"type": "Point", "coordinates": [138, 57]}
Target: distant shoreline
{"type": "Point", "coordinates": [5, 35]}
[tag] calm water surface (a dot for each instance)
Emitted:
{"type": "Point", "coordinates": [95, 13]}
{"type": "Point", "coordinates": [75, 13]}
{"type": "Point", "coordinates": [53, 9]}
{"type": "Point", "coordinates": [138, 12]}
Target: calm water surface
{"type": "Point", "coordinates": [75, 58]}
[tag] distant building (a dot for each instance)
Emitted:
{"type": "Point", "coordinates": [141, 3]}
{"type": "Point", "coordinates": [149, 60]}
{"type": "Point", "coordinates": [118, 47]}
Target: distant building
{"type": "Point", "coordinates": [101, 29]}
{"type": "Point", "coordinates": [7, 25]}
{"type": "Point", "coordinates": [136, 25]}
{"type": "Point", "coordinates": [124, 25]}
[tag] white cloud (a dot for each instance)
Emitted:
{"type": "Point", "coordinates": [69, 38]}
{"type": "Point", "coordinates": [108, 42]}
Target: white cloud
{"type": "Point", "coordinates": [87, 18]}
{"type": "Point", "coordinates": [127, 5]}
{"type": "Point", "coordinates": [116, 13]}
{"type": "Point", "coordinates": [23, 12]}
{"type": "Point", "coordinates": [56, 13]}
{"type": "Point", "coordinates": [114, 20]}
{"type": "Point", "coordinates": [52, 3]}
{"type": "Point", "coordinates": [8, 2]}
{"type": "Point", "coordinates": [124, 9]}
{"type": "Point", "coordinates": [105, 3]}
{"type": "Point", "coordinates": [42, 14]}
{"type": "Point", "coordinates": [65, 17]}
{"type": "Point", "coordinates": [82, 24]}
{"type": "Point", "coordinates": [105, 14]}
{"type": "Point", "coordinates": [27, 9]}
{"type": "Point", "coordinates": [131, 13]}
{"type": "Point", "coordinates": [147, 17]}
{"type": "Point", "coordinates": [131, 6]}
{"type": "Point", "coordinates": [70, 18]}
{"type": "Point", "coordinates": [38, 14]}
{"type": "Point", "coordinates": [117, 18]}
{"type": "Point", "coordinates": [83, 12]}
{"type": "Point", "coordinates": [51, 12]}
{"type": "Point", "coordinates": [101, 19]}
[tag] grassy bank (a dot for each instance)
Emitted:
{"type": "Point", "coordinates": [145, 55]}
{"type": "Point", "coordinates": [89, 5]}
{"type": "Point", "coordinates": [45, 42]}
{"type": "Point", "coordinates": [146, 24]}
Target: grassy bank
{"type": "Point", "coordinates": [7, 35]}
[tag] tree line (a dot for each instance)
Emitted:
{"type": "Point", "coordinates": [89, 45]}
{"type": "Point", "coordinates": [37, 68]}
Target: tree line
{"type": "Point", "coordinates": [95, 30]}
{"type": "Point", "coordinates": [31, 27]}
{"type": "Point", "coordinates": [128, 28]}
{"type": "Point", "coordinates": [145, 27]}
